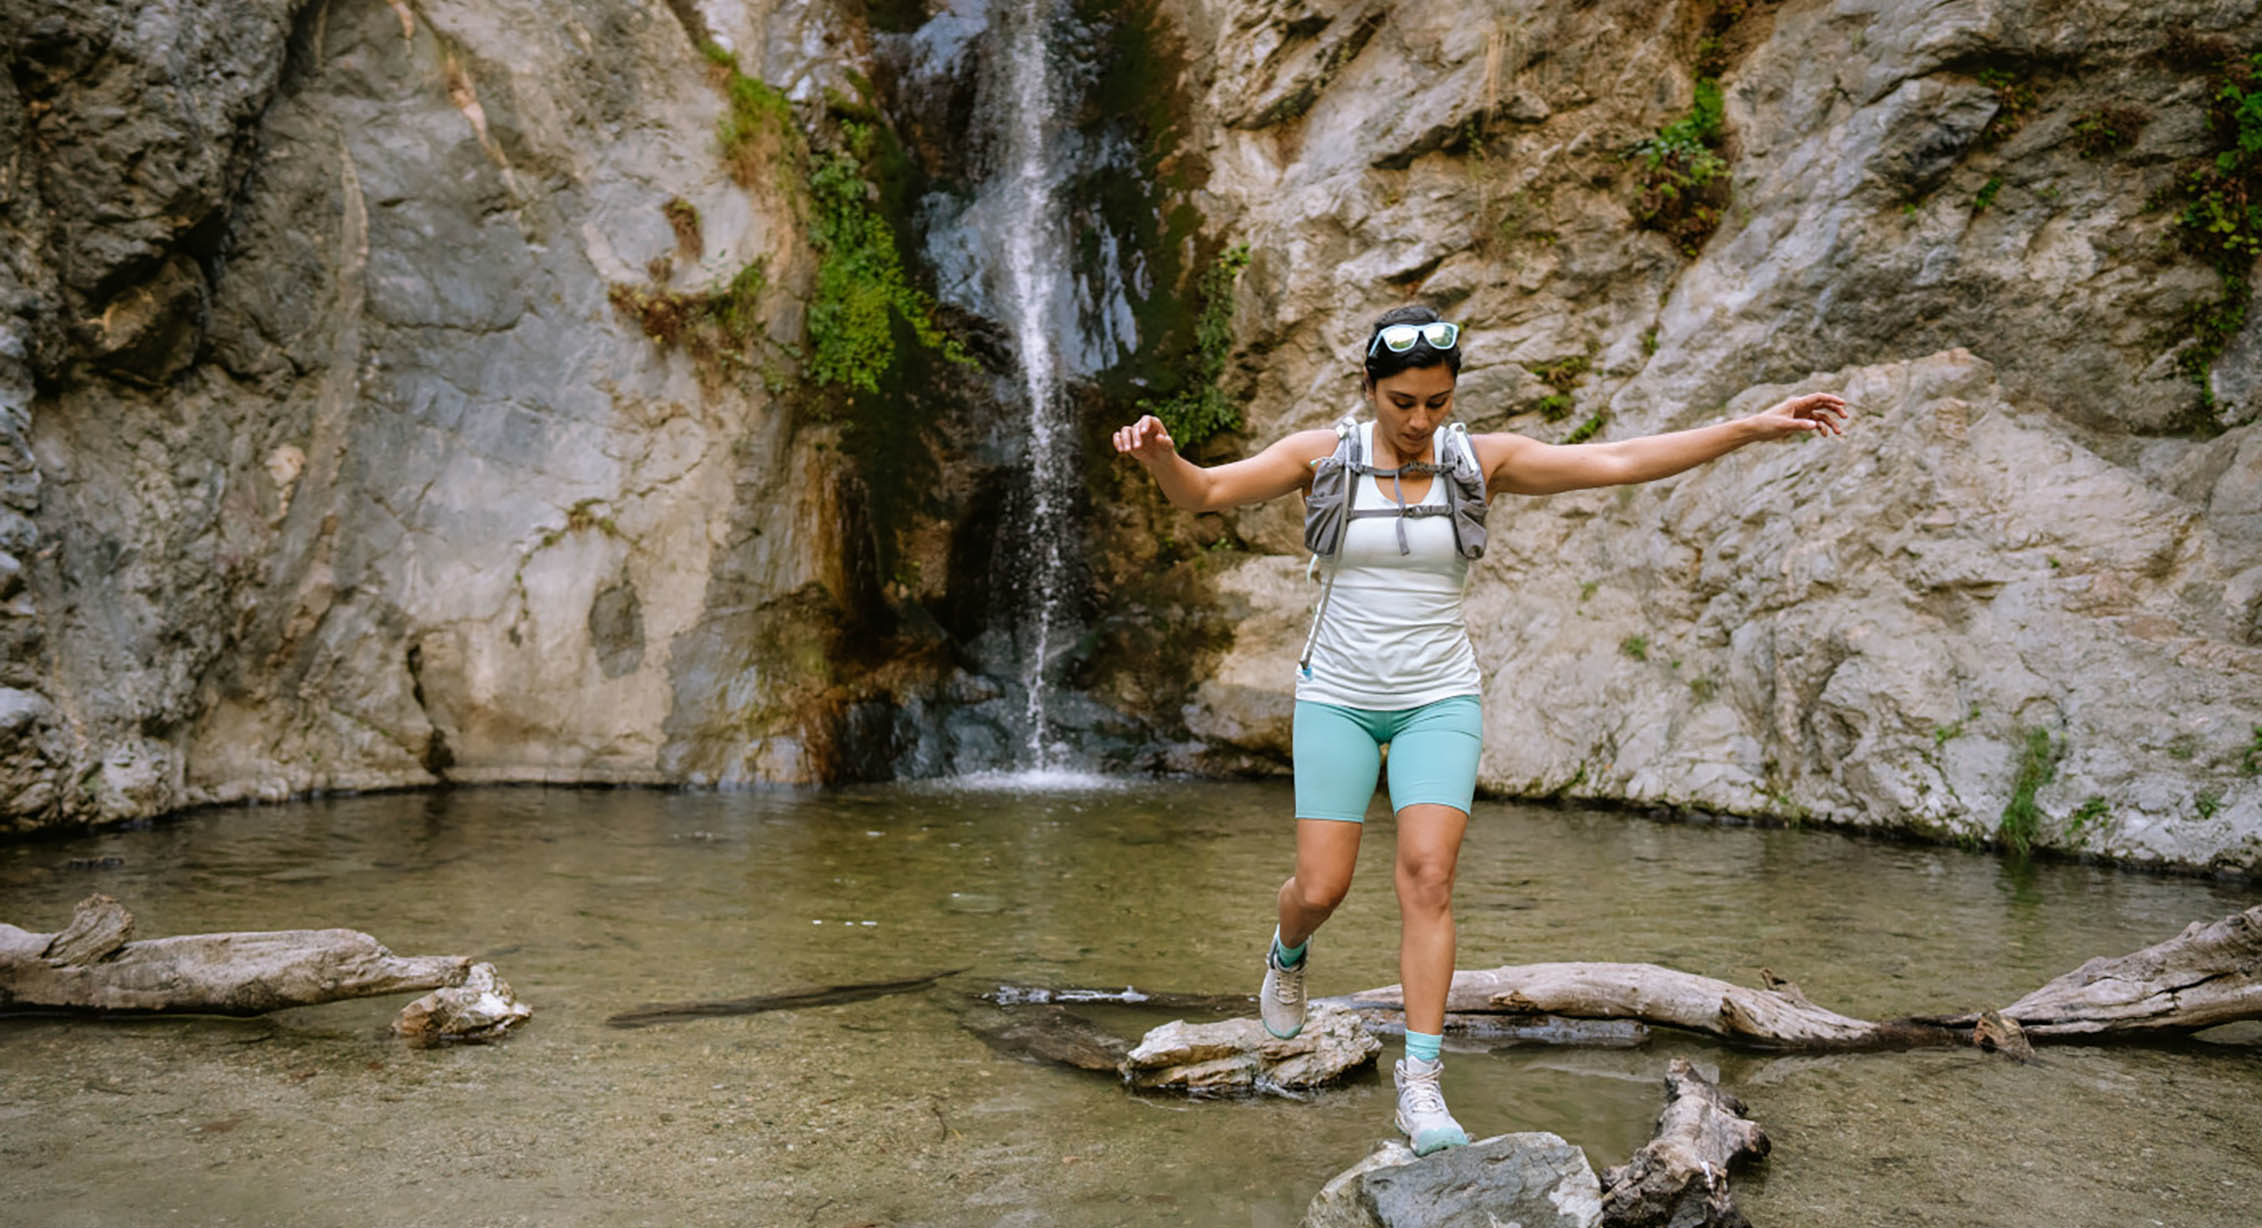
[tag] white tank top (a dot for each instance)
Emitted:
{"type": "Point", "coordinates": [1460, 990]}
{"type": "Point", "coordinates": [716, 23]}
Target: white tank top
{"type": "Point", "coordinates": [1393, 635]}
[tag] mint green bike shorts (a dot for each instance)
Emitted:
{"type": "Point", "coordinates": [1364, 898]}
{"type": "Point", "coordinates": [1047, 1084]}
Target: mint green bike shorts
{"type": "Point", "coordinates": [1433, 756]}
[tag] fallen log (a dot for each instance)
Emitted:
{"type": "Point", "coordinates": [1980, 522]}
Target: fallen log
{"type": "Point", "coordinates": [1680, 1177]}
{"type": "Point", "coordinates": [1499, 1029]}
{"type": "Point", "coordinates": [89, 966]}
{"type": "Point", "coordinates": [2209, 974]}
{"type": "Point", "coordinates": [1776, 1017]}
{"type": "Point", "coordinates": [789, 1000]}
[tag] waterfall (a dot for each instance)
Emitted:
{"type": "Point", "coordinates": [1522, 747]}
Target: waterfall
{"type": "Point", "coordinates": [1034, 269]}
{"type": "Point", "coordinates": [1015, 235]}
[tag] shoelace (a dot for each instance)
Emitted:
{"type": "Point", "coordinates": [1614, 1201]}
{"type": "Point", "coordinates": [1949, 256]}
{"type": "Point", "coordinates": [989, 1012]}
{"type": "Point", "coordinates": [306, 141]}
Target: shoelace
{"type": "Point", "coordinates": [1422, 1094]}
{"type": "Point", "coordinates": [1288, 988]}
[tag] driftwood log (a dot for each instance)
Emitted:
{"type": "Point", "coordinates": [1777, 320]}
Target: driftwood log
{"type": "Point", "coordinates": [789, 1000]}
{"type": "Point", "coordinates": [91, 966]}
{"type": "Point", "coordinates": [2210, 974]}
{"type": "Point", "coordinates": [1680, 1177]}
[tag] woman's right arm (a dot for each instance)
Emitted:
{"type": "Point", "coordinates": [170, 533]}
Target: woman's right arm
{"type": "Point", "coordinates": [1283, 467]}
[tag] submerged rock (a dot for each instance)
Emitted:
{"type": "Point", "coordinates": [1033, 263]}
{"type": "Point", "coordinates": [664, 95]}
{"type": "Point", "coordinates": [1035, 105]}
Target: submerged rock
{"type": "Point", "coordinates": [1532, 1180]}
{"type": "Point", "coordinates": [1238, 1055]}
{"type": "Point", "coordinates": [480, 1009]}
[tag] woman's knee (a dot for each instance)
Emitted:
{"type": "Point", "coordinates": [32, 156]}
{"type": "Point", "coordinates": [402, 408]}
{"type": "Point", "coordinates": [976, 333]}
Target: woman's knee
{"type": "Point", "coordinates": [1425, 884]}
{"type": "Point", "coordinates": [1320, 894]}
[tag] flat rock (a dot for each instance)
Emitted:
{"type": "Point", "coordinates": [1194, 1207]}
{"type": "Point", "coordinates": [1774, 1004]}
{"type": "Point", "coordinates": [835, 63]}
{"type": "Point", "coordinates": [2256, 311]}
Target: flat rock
{"type": "Point", "coordinates": [1530, 1180]}
{"type": "Point", "coordinates": [1238, 1055]}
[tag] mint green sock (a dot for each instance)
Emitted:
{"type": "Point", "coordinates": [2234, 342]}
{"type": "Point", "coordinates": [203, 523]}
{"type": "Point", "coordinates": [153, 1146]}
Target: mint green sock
{"type": "Point", "coordinates": [1288, 957]}
{"type": "Point", "coordinates": [1423, 1045]}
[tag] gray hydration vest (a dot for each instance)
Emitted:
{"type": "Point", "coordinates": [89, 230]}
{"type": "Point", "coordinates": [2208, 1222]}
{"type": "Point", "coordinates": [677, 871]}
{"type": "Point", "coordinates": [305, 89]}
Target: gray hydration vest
{"type": "Point", "coordinates": [1329, 509]}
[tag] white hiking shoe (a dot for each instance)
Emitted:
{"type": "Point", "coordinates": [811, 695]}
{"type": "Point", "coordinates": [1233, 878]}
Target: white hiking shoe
{"type": "Point", "coordinates": [1281, 1002]}
{"type": "Point", "coordinates": [1421, 1108]}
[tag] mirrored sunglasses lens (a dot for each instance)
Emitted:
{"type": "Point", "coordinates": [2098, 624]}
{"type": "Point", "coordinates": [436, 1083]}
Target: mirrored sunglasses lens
{"type": "Point", "coordinates": [1441, 335]}
{"type": "Point", "coordinates": [1400, 337]}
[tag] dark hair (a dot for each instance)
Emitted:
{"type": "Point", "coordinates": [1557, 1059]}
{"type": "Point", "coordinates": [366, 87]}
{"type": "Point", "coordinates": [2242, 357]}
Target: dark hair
{"type": "Point", "coordinates": [1382, 363]}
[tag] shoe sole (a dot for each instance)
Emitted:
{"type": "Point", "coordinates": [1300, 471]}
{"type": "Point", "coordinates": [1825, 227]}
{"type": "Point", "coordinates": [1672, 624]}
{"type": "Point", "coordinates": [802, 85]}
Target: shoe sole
{"type": "Point", "coordinates": [1436, 1145]}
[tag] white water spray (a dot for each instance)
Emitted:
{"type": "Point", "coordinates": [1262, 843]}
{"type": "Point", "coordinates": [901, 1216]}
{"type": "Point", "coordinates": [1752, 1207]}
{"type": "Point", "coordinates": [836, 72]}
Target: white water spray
{"type": "Point", "coordinates": [1035, 273]}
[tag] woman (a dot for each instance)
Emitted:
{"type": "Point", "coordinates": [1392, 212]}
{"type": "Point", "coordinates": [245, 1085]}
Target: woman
{"type": "Point", "coordinates": [1390, 663]}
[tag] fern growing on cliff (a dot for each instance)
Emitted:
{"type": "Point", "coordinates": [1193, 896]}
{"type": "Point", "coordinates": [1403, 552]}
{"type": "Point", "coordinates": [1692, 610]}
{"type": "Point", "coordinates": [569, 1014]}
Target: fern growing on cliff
{"type": "Point", "coordinates": [861, 287]}
{"type": "Point", "coordinates": [1683, 180]}
{"type": "Point", "coordinates": [1201, 409]}
{"type": "Point", "coordinates": [2221, 218]}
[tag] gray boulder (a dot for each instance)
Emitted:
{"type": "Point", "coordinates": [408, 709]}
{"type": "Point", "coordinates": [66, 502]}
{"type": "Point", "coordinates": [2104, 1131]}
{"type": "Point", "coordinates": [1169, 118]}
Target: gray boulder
{"type": "Point", "coordinates": [1530, 1180]}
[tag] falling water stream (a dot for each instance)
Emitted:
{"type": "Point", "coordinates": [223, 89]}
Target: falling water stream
{"type": "Point", "coordinates": [1034, 266]}
{"type": "Point", "coordinates": [1013, 235]}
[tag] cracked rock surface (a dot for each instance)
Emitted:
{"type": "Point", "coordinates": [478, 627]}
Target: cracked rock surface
{"type": "Point", "coordinates": [2037, 536]}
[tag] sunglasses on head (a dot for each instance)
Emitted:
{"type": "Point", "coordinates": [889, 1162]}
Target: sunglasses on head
{"type": "Point", "coordinates": [1399, 338]}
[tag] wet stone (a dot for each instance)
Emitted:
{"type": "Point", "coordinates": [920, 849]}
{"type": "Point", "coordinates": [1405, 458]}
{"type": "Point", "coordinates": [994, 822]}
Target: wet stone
{"type": "Point", "coordinates": [1532, 1180]}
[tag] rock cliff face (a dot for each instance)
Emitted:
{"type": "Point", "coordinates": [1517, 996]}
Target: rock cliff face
{"type": "Point", "coordinates": [2031, 575]}
{"type": "Point", "coordinates": [330, 456]}
{"type": "Point", "coordinates": [329, 463]}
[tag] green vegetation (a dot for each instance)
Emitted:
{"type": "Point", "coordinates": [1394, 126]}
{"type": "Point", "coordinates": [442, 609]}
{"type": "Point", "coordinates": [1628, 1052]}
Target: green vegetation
{"type": "Point", "coordinates": [2207, 803]}
{"type": "Point", "coordinates": [2091, 816]}
{"type": "Point", "coordinates": [1200, 409]}
{"type": "Point", "coordinates": [2250, 762]}
{"type": "Point", "coordinates": [2220, 220]}
{"type": "Point", "coordinates": [2108, 130]}
{"type": "Point", "coordinates": [1561, 374]}
{"type": "Point", "coordinates": [1635, 646]}
{"type": "Point", "coordinates": [861, 288]}
{"type": "Point", "coordinates": [2038, 764]}
{"type": "Point", "coordinates": [1586, 430]}
{"type": "Point", "coordinates": [1944, 734]}
{"type": "Point", "coordinates": [758, 115]}
{"type": "Point", "coordinates": [1986, 194]}
{"type": "Point", "coordinates": [1704, 688]}
{"type": "Point", "coordinates": [1586, 590]}
{"type": "Point", "coordinates": [1682, 181]}
{"type": "Point", "coordinates": [2015, 97]}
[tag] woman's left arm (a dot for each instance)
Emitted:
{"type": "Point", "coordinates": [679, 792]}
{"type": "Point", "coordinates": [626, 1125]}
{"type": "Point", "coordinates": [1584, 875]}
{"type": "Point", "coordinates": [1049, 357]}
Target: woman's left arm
{"type": "Point", "coordinates": [1514, 464]}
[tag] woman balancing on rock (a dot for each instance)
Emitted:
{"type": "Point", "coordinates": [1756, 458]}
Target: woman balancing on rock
{"type": "Point", "coordinates": [1395, 510]}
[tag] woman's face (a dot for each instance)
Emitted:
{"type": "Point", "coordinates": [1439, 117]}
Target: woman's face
{"type": "Point", "coordinates": [1410, 406]}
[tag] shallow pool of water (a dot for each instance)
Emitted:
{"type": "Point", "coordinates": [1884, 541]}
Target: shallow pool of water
{"type": "Point", "coordinates": [594, 902]}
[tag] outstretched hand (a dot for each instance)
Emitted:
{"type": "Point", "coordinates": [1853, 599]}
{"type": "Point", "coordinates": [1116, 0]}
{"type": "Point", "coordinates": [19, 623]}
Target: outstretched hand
{"type": "Point", "coordinates": [1820, 413]}
{"type": "Point", "coordinates": [1145, 441]}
